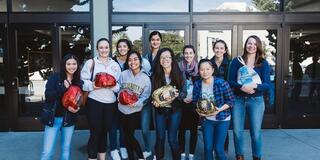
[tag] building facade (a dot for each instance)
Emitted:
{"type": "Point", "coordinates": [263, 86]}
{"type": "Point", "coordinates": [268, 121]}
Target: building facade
{"type": "Point", "coordinates": [35, 34]}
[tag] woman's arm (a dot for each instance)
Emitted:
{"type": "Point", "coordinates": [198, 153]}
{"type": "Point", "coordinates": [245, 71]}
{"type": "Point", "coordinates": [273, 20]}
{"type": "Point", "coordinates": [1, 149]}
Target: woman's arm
{"type": "Point", "coordinates": [86, 76]}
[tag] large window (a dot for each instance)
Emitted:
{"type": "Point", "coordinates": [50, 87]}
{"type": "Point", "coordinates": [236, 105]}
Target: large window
{"type": "Point", "coordinates": [304, 71]}
{"type": "Point", "coordinates": [150, 5]}
{"type": "Point", "coordinates": [235, 5]}
{"type": "Point", "coordinates": [34, 65]}
{"type": "Point", "coordinates": [132, 33]}
{"type": "Point", "coordinates": [302, 5]}
{"type": "Point", "coordinates": [206, 38]}
{"type": "Point", "coordinates": [50, 5]}
{"type": "Point", "coordinates": [2, 106]}
{"type": "Point", "coordinates": [76, 39]}
{"type": "Point", "coordinates": [3, 5]}
{"type": "Point", "coordinates": [173, 39]}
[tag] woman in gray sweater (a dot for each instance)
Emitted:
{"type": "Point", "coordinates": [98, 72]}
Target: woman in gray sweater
{"type": "Point", "coordinates": [138, 82]}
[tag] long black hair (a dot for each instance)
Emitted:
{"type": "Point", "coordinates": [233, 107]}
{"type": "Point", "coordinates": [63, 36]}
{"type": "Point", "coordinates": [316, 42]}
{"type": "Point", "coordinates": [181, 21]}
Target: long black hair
{"type": "Point", "coordinates": [63, 72]}
{"type": "Point", "coordinates": [126, 64]}
{"type": "Point", "coordinates": [153, 33]}
{"type": "Point", "coordinates": [158, 76]}
{"type": "Point", "coordinates": [129, 44]}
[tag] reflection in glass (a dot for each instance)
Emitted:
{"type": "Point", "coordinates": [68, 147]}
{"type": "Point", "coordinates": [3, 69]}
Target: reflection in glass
{"type": "Point", "coordinates": [150, 6]}
{"type": "Point", "coordinates": [76, 39]}
{"type": "Point", "coordinates": [302, 5]}
{"type": "Point", "coordinates": [173, 39]}
{"type": "Point", "coordinates": [132, 33]}
{"type": "Point", "coordinates": [269, 44]}
{"type": "Point", "coordinates": [3, 5]}
{"type": "Point", "coordinates": [2, 34]}
{"type": "Point", "coordinates": [34, 65]}
{"type": "Point", "coordinates": [206, 38]}
{"type": "Point", "coordinates": [304, 71]}
{"type": "Point", "coordinates": [51, 5]}
{"type": "Point", "coordinates": [235, 5]}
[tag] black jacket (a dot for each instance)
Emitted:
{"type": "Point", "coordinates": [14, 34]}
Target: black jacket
{"type": "Point", "coordinates": [53, 93]}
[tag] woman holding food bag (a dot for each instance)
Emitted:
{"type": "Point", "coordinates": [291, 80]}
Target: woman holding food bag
{"type": "Point", "coordinates": [100, 76]}
{"type": "Point", "coordinates": [214, 98]}
{"type": "Point", "coordinates": [249, 76]}
{"type": "Point", "coordinates": [61, 106]}
{"type": "Point", "coordinates": [134, 94]}
{"type": "Point", "coordinates": [168, 92]}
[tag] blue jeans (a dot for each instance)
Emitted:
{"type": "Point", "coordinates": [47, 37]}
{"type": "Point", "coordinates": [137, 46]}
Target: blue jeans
{"type": "Point", "coordinates": [145, 125]}
{"type": "Point", "coordinates": [255, 107]}
{"type": "Point", "coordinates": [50, 136]}
{"type": "Point", "coordinates": [214, 136]}
{"type": "Point", "coordinates": [173, 118]}
{"type": "Point", "coordinates": [113, 135]}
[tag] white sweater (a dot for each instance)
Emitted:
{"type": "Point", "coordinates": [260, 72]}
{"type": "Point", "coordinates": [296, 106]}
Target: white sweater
{"type": "Point", "coordinates": [104, 95]}
{"type": "Point", "coordinates": [139, 84]}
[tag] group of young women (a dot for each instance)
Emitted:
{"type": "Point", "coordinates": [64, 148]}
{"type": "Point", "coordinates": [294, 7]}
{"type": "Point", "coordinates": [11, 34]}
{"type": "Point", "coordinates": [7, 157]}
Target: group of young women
{"type": "Point", "coordinates": [236, 87]}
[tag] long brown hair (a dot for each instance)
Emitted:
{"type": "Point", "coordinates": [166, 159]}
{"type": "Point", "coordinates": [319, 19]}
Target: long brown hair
{"type": "Point", "coordinates": [158, 76]}
{"type": "Point", "coordinates": [259, 54]}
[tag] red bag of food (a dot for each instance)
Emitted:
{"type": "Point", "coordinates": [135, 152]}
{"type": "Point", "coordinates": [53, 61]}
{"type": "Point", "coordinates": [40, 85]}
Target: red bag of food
{"type": "Point", "coordinates": [105, 80]}
{"type": "Point", "coordinates": [127, 97]}
{"type": "Point", "coordinates": [72, 97]}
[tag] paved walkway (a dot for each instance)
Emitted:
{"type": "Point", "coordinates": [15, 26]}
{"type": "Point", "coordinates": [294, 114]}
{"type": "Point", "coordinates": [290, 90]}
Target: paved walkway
{"type": "Point", "coordinates": [278, 144]}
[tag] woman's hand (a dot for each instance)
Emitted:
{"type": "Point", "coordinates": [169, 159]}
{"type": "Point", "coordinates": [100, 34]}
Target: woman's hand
{"type": "Point", "coordinates": [187, 100]}
{"type": "Point", "coordinates": [248, 89]}
{"type": "Point", "coordinates": [71, 109]}
{"type": "Point", "coordinates": [155, 103]}
{"type": "Point", "coordinates": [94, 86]}
{"type": "Point", "coordinates": [132, 105]}
{"type": "Point", "coordinates": [66, 83]}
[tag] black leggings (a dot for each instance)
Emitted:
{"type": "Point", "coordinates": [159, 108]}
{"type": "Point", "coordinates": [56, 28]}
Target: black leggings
{"type": "Point", "coordinates": [189, 121]}
{"type": "Point", "coordinates": [128, 124]}
{"type": "Point", "coordinates": [100, 117]}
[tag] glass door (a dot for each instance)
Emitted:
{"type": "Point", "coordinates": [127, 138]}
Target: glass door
{"type": "Point", "coordinates": [270, 36]}
{"type": "Point", "coordinates": [3, 111]}
{"type": "Point", "coordinates": [302, 78]}
{"type": "Point", "coordinates": [32, 63]}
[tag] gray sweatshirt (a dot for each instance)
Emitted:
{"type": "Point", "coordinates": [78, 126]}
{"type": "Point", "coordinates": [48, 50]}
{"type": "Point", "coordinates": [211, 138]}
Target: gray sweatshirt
{"type": "Point", "coordinates": [139, 84]}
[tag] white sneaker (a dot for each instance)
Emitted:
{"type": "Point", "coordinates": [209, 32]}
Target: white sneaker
{"type": "Point", "coordinates": [190, 156]}
{"type": "Point", "coordinates": [146, 154]}
{"type": "Point", "coordinates": [183, 156]}
{"type": "Point", "coordinates": [115, 155]}
{"type": "Point", "coordinates": [123, 153]}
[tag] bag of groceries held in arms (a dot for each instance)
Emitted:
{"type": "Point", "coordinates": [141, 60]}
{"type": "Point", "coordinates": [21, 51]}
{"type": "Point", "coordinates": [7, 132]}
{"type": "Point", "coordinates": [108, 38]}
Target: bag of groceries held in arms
{"type": "Point", "coordinates": [164, 95]}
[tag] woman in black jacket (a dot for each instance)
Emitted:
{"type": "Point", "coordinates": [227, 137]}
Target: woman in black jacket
{"type": "Point", "coordinates": [55, 116]}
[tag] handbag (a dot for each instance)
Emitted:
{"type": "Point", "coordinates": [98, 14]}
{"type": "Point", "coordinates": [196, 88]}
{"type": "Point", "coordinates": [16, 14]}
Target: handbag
{"type": "Point", "coordinates": [47, 114]}
{"type": "Point", "coordinates": [86, 93]}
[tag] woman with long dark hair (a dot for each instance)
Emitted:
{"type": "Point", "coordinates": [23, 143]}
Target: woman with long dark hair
{"type": "Point", "coordinates": [249, 76]}
{"type": "Point", "coordinates": [167, 72]}
{"type": "Point", "coordinates": [220, 62]}
{"type": "Point", "coordinates": [155, 39]}
{"type": "Point", "coordinates": [190, 118]}
{"type": "Point", "coordinates": [101, 103]}
{"type": "Point", "coordinates": [133, 79]}
{"type": "Point", "coordinates": [62, 119]}
{"type": "Point", "coordinates": [215, 125]}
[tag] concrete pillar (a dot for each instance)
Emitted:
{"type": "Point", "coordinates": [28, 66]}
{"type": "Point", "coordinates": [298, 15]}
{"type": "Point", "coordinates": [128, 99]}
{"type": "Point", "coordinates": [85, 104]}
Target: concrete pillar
{"type": "Point", "coordinates": [101, 11]}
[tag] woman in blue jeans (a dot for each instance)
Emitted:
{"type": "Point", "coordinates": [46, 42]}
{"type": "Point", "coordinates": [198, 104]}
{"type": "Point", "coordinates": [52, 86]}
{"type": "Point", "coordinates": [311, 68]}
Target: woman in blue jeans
{"type": "Point", "coordinates": [249, 76]}
{"type": "Point", "coordinates": [63, 119]}
{"type": "Point", "coordinates": [215, 125]}
{"type": "Point", "coordinates": [167, 72]}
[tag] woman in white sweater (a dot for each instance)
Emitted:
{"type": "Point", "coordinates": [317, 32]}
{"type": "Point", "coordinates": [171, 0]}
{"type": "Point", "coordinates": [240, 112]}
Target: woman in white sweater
{"type": "Point", "coordinates": [101, 104]}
